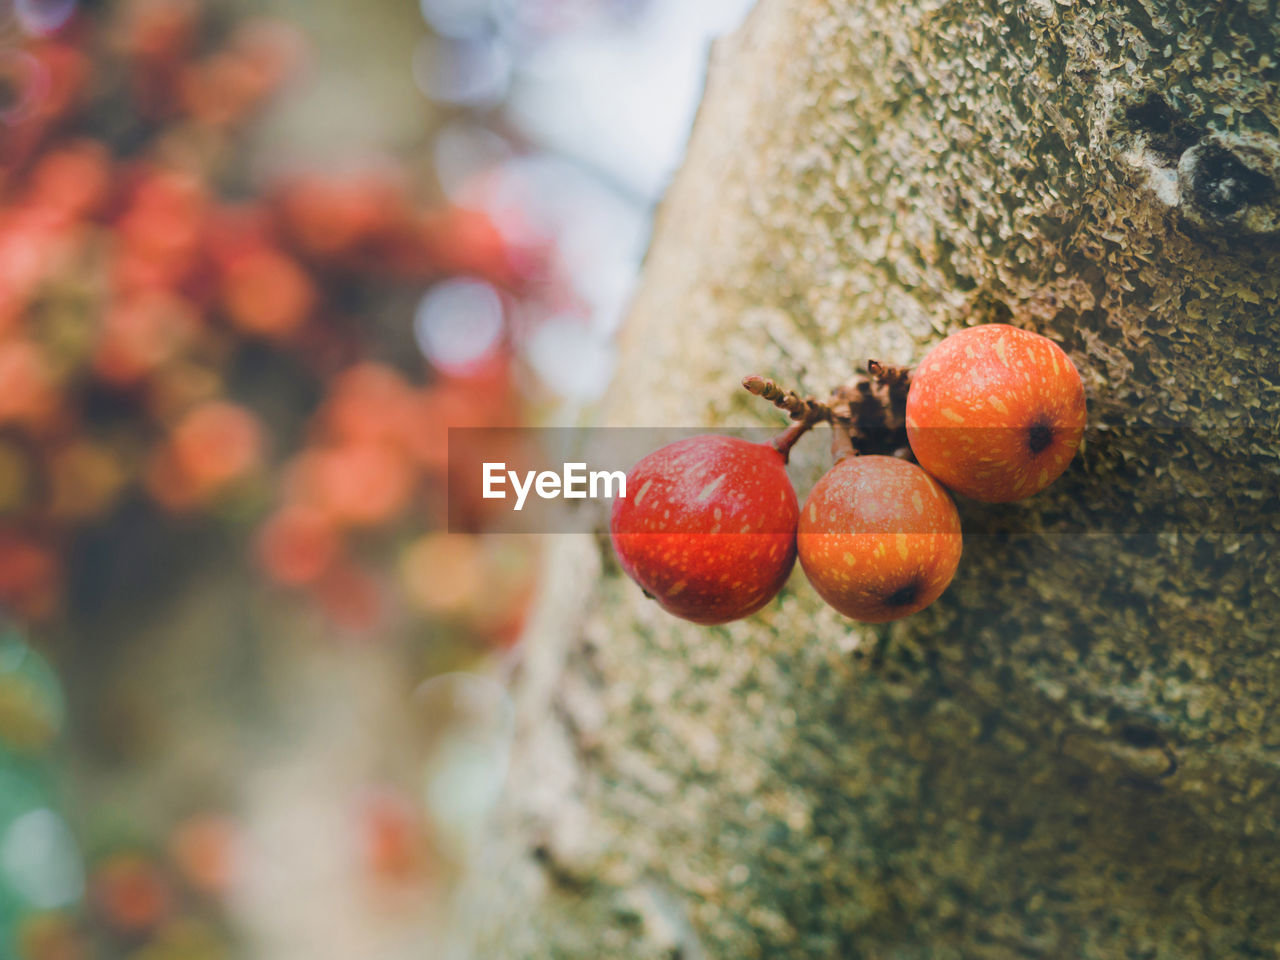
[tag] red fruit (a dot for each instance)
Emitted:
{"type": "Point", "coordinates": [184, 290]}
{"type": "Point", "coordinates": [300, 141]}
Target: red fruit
{"type": "Point", "coordinates": [879, 539]}
{"type": "Point", "coordinates": [204, 848]}
{"type": "Point", "coordinates": [708, 527]}
{"type": "Point", "coordinates": [391, 834]}
{"type": "Point", "coordinates": [131, 892]}
{"type": "Point", "coordinates": [297, 545]}
{"type": "Point", "coordinates": [142, 333]}
{"type": "Point", "coordinates": [995, 412]}
{"type": "Point", "coordinates": [267, 294]}
{"type": "Point", "coordinates": [350, 598]}
{"type": "Point", "coordinates": [217, 443]}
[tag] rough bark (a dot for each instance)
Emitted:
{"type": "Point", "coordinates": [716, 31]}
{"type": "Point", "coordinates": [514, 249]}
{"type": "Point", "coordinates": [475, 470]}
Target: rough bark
{"type": "Point", "coordinates": [1075, 752]}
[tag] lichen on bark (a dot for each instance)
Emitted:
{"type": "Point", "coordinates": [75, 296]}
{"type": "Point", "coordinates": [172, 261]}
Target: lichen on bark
{"type": "Point", "coordinates": [1074, 752]}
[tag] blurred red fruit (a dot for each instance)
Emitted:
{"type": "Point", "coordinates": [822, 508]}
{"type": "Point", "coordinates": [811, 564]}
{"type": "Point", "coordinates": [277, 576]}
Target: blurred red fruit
{"type": "Point", "coordinates": [159, 30]}
{"type": "Point", "coordinates": [368, 402]}
{"type": "Point", "coordinates": [29, 576]}
{"type": "Point", "coordinates": [461, 241]}
{"type": "Point", "coordinates": [27, 389]}
{"type": "Point", "coordinates": [223, 89]}
{"type": "Point", "coordinates": [391, 833]}
{"type": "Point", "coordinates": [332, 218]}
{"type": "Point", "coordinates": [214, 445]}
{"type": "Point", "coordinates": [203, 849]}
{"type": "Point", "coordinates": [217, 443]}
{"type": "Point", "coordinates": [142, 333]}
{"type": "Point", "coordinates": [443, 574]}
{"type": "Point", "coordinates": [130, 892]}
{"type": "Point", "coordinates": [71, 182]}
{"type": "Point", "coordinates": [157, 36]}
{"type": "Point", "coordinates": [350, 598]}
{"type": "Point", "coordinates": [267, 294]}
{"type": "Point", "coordinates": [162, 230]}
{"type": "Point", "coordinates": [297, 545]}
{"type": "Point", "coordinates": [29, 246]}
{"type": "Point", "coordinates": [363, 484]}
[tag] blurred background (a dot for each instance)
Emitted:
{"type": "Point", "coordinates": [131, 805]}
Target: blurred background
{"type": "Point", "coordinates": [255, 259]}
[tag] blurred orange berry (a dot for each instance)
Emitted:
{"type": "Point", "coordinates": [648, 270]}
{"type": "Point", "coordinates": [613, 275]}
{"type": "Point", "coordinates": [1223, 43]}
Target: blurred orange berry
{"type": "Point", "coordinates": [162, 230]}
{"type": "Point", "coordinates": [155, 30]}
{"type": "Point", "coordinates": [467, 242]}
{"type": "Point", "coordinates": [130, 892]}
{"type": "Point", "coordinates": [203, 848]}
{"type": "Point", "coordinates": [140, 334]}
{"type": "Point", "coordinates": [27, 389]}
{"type": "Point", "coordinates": [168, 485]}
{"type": "Point", "coordinates": [329, 217]}
{"type": "Point", "coordinates": [350, 598]}
{"type": "Point", "coordinates": [368, 401]}
{"type": "Point", "coordinates": [216, 443]}
{"type": "Point", "coordinates": [29, 575]}
{"type": "Point", "coordinates": [443, 573]}
{"type": "Point", "coordinates": [234, 230]}
{"type": "Point", "coordinates": [267, 294]}
{"type": "Point", "coordinates": [224, 88]}
{"type": "Point", "coordinates": [220, 91]}
{"type": "Point", "coordinates": [157, 36]}
{"type": "Point", "coordinates": [486, 399]}
{"type": "Point", "coordinates": [212, 446]}
{"type": "Point", "coordinates": [363, 484]}
{"type": "Point", "coordinates": [28, 251]}
{"type": "Point", "coordinates": [391, 834]}
{"type": "Point", "coordinates": [297, 545]}
{"type": "Point", "coordinates": [71, 182]}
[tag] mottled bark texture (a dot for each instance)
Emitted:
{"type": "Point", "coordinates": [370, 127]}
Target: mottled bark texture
{"type": "Point", "coordinates": [1076, 752]}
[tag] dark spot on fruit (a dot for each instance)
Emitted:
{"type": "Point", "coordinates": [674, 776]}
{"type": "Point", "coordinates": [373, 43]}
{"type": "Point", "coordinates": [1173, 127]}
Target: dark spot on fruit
{"type": "Point", "coordinates": [1039, 437]}
{"type": "Point", "coordinates": [904, 596]}
{"type": "Point", "coordinates": [647, 593]}
{"type": "Point", "coordinates": [1223, 186]}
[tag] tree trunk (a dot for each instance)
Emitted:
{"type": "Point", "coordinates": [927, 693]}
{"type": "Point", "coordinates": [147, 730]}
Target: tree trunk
{"type": "Point", "coordinates": [1075, 752]}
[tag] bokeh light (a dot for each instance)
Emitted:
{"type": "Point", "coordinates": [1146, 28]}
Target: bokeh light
{"type": "Point", "coordinates": [459, 323]}
{"type": "Point", "coordinates": [41, 862]}
{"type": "Point", "coordinates": [43, 16]}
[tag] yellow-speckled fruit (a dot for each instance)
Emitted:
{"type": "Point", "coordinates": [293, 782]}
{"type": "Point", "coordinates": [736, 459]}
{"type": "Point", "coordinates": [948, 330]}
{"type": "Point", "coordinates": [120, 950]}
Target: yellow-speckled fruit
{"type": "Point", "coordinates": [995, 412]}
{"type": "Point", "coordinates": [879, 538]}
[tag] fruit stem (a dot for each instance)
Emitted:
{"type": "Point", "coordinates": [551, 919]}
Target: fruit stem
{"type": "Point", "coordinates": [784, 441]}
{"type": "Point", "coordinates": [866, 413]}
{"type": "Point", "coordinates": [805, 411]}
{"type": "Point", "coordinates": [800, 408]}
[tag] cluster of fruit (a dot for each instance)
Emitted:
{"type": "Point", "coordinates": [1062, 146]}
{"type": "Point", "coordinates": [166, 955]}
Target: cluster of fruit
{"type": "Point", "coordinates": [712, 527]}
{"type": "Point", "coordinates": [156, 336]}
